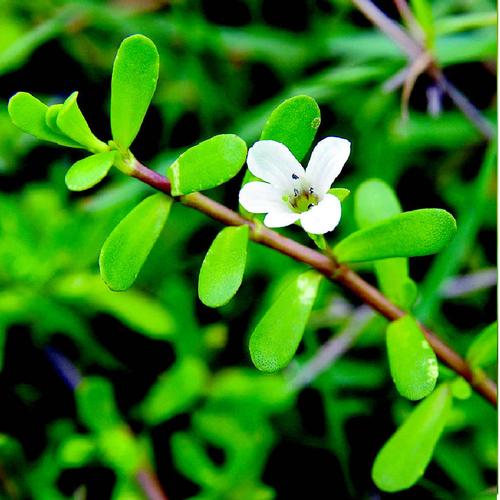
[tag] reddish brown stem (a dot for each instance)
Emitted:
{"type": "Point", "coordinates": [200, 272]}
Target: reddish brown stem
{"type": "Point", "coordinates": [327, 266]}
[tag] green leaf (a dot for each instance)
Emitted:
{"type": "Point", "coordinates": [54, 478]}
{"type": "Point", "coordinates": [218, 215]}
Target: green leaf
{"type": "Point", "coordinates": [28, 114]}
{"type": "Point", "coordinates": [294, 123]}
{"type": "Point", "coordinates": [119, 449]}
{"type": "Point", "coordinates": [129, 244]}
{"type": "Point", "coordinates": [403, 459]}
{"type": "Point", "coordinates": [95, 404]}
{"type": "Point", "coordinates": [410, 234]}
{"type": "Point", "coordinates": [374, 202]}
{"type": "Point", "coordinates": [340, 193]}
{"type": "Point", "coordinates": [483, 350]}
{"type": "Point", "coordinates": [277, 335]}
{"type": "Point", "coordinates": [51, 117]}
{"type": "Point", "coordinates": [423, 12]}
{"type": "Point", "coordinates": [191, 459]}
{"type": "Point", "coordinates": [175, 391]}
{"type": "Point", "coordinates": [412, 361]}
{"type": "Point", "coordinates": [88, 172]}
{"type": "Point", "coordinates": [222, 270]}
{"type": "Point", "coordinates": [134, 308]}
{"type": "Point", "coordinates": [133, 83]}
{"type": "Point", "coordinates": [72, 123]}
{"type": "Point", "coordinates": [77, 451]}
{"type": "Point", "coordinates": [208, 164]}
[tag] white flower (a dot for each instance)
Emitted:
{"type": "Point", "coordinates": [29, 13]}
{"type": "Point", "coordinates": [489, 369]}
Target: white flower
{"type": "Point", "coordinates": [291, 193]}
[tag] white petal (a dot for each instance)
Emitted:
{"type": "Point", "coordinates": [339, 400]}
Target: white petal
{"type": "Point", "coordinates": [280, 219]}
{"type": "Point", "coordinates": [323, 217]}
{"type": "Point", "coordinates": [261, 197]}
{"type": "Point", "coordinates": [273, 162]}
{"type": "Point", "coordinates": [327, 160]}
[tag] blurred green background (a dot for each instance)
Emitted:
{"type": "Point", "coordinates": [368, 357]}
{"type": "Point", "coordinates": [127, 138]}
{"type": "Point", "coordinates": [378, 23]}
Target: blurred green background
{"type": "Point", "coordinates": [167, 383]}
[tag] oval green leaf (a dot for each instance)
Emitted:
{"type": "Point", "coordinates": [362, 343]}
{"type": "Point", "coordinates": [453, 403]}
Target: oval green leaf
{"type": "Point", "coordinates": [95, 403]}
{"type": "Point", "coordinates": [86, 173]}
{"type": "Point", "coordinates": [483, 350]}
{"type": "Point", "coordinates": [174, 391]}
{"type": "Point", "coordinates": [72, 123]}
{"type": "Point", "coordinates": [222, 270]}
{"type": "Point", "coordinates": [208, 164]}
{"type": "Point", "coordinates": [403, 459]}
{"type": "Point", "coordinates": [412, 361]}
{"type": "Point", "coordinates": [277, 335]}
{"type": "Point", "coordinates": [130, 242]}
{"type": "Point", "coordinates": [133, 83]}
{"type": "Point", "coordinates": [294, 123]}
{"type": "Point", "coordinates": [374, 202]}
{"type": "Point", "coordinates": [410, 234]}
{"type": "Point", "coordinates": [28, 113]}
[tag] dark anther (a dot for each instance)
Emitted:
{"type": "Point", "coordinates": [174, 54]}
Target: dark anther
{"type": "Point", "coordinates": [310, 206]}
{"type": "Point", "coordinates": [311, 190]}
{"type": "Point", "coordinates": [295, 177]}
{"type": "Point", "coordinates": [296, 192]}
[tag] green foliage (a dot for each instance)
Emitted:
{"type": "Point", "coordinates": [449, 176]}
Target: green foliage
{"type": "Point", "coordinates": [403, 459]}
{"type": "Point", "coordinates": [96, 405]}
{"type": "Point", "coordinates": [278, 334]}
{"type": "Point", "coordinates": [175, 391]}
{"type": "Point", "coordinates": [88, 172]}
{"type": "Point", "coordinates": [127, 247]}
{"type": "Point", "coordinates": [208, 164]}
{"type": "Point", "coordinates": [294, 123]}
{"type": "Point", "coordinates": [135, 73]}
{"type": "Point", "coordinates": [222, 270]}
{"type": "Point", "coordinates": [412, 361]}
{"type": "Point", "coordinates": [483, 350]}
{"type": "Point", "coordinates": [72, 123]}
{"type": "Point", "coordinates": [240, 427]}
{"type": "Point", "coordinates": [410, 234]}
{"type": "Point", "coordinates": [28, 113]}
{"type": "Point", "coordinates": [374, 202]}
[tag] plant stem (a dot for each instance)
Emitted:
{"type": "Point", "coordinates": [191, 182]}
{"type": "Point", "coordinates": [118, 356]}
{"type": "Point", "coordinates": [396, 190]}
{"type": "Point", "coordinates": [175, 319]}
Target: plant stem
{"type": "Point", "coordinates": [414, 50]}
{"type": "Point", "coordinates": [324, 264]}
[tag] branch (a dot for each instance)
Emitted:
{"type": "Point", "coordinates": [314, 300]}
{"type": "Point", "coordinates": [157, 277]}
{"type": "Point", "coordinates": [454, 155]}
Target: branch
{"type": "Point", "coordinates": [327, 266]}
{"type": "Point", "coordinates": [414, 50]}
{"type": "Point", "coordinates": [333, 349]}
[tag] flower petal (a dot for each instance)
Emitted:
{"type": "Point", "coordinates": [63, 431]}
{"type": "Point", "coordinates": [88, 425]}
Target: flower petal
{"type": "Point", "coordinates": [280, 219]}
{"type": "Point", "coordinates": [327, 160]}
{"type": "Point", "coordinates": [273, 162]}
{"type": "Point", "coordinates": [323, 217]}
{"type": "Point", "coordinates": [261, 197]}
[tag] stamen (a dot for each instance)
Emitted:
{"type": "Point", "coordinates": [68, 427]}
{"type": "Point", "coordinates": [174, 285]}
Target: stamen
{"type": "Point", "coordinates": [310, 206]}
{"type": "Point", "coordinates": [295, 191]}
{"type": "Point", "coordinates": [311, 190]}
{"type": "Point", "coordinates": [295, 177]}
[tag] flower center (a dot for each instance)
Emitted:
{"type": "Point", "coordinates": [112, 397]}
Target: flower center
{"type": "Point", "coordinates": [302, 200]}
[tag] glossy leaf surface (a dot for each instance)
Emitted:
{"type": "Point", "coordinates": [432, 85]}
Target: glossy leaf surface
{"type": "Point", "coordinates": [412, 361]}
{"type": "Point", "coordinates": [133, 83]}
{"type": "Point", "coordinates": [208, 164]}
{"type": "Point", "coordinates": [222, 270]}
{"type": "Point", "coordinates": [89, 171]}
{"type": "Point", "coordinates": [410, 234]}
{"type": "Point", "coordinates": [294, 123]}
{"type": "Point", "coordinates": [72, 123]}
{"type": "Point", "coordinates": [277, 335]}
{"type": "Point", "coordinates": [129, 244]}
{"type": "Point", "coordinates": [28, 114]}
{"type": "Point", "coordinates": [403, 459]}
